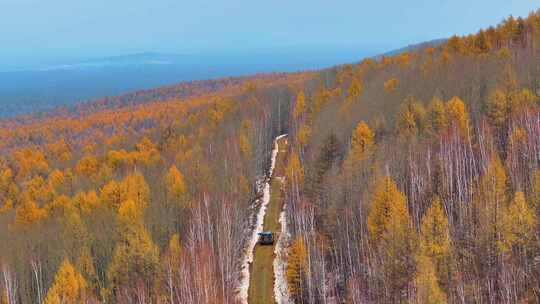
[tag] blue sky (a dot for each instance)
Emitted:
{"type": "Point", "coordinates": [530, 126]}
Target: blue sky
{"type": "Point", "coordinates": [36, 31]}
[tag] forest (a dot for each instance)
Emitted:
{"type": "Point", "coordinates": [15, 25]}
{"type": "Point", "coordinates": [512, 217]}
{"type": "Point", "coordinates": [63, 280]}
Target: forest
{"type": "Point", "coordinates": [409, 178]}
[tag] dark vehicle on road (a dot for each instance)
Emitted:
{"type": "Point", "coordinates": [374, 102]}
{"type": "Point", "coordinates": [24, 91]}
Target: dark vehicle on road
{"type": "Point", "coordinates": [266, 238]}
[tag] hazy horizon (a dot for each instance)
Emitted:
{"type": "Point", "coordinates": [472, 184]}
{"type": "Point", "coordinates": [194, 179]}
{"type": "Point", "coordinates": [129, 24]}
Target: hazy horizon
{"type": "Point", "coordinates": [35, 33]}
{"type": "Point", "coordinates": [330, 56]}
{"type": "Point", "coordinates": [45, 86]}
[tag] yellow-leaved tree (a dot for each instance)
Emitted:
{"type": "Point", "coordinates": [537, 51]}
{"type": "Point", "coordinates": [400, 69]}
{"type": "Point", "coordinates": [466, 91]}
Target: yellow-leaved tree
{"type": "Point", "coordinates": [134, 268]}
{"type": "Point", "coordinates": [176, 186]}
{"type": "Point", "coordinates": [353, 93]}
{"type": "Point", "coordinates": [428, 290]}
{"type": "Point", "coordinates": [296, 267]}
{"type": "Point", "coordinates": [435, 238]}
{"type": "Point", "coordinates": [299, 105]}
{"type": "Point", "coordinates": [146, 152]}
{"type": "Point", "coordinates": [390, 232]}
{"type": "Point", "coordinates": [244, 146]}
{"type": "Point", "coordinates": [136, 189]}
{"type": "Point", "coordinates": [521, 100]}
{"type": "Point", "coordinates": [303, 135]}
{"type": "Point", "coordinates": [111, 195]}
{"type": "Point", "coordinates": [294, 171]}
{"type": "Point", "coordinates": [85, 264]}
{"type": "Point", "coordinates": [86, 202]}
{"type": "Point", "coordinates": [362, 142]}
{"type": "Point", "coordinates": [4, 297]}
{"type": "Point", "coordinates": [518, 226]}
{"type": "Point", "coordinates": [28, 213]}
{"type": "Point", "coordinates": [411, 118]}
{"type": "Point", "coordinates": [355, 89]}
{"type": "Point", "coordinates": [437, 117]}
{"type": "Point", "coordinates": [391, 85]}
{"type": "Point", "coordinates": [132, 187]}
{"type": "Point", "coordinates": [457, 114]}
{"type": "Point", "coordinates": [497, 108]}
{"type": "Point", "coordinates": [29, 162]}
{"type": "Point", "coordinates": [87, 166]}
{"type": "Point", "coordinates": [69, 286]}
{"type": "Point", "coordinates": [388, 211]}
{"type": "Point", "coordinates": [38, 190]}
{"type": "Point", "coordinates": [8, 187]}
{"type": "Point", "coordinates": [433, 257]}
{"type": "Point", "coordinates": [57, 180]}
{"type": "Point", "coordinates": [489, 201]}
{"type": "Point", "coordinates": [406, 123]}
{"type": "Point", "coordinates": [535, 193]}
{"type": "Point", "coordinates": [362, 147]}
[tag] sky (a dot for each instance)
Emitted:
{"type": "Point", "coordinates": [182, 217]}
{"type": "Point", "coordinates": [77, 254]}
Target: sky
{"type": "Point", "coordinates": [38, 31]}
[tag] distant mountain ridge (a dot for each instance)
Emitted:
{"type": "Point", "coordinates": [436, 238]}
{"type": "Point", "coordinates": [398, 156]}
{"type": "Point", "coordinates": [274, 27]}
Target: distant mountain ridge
{"type": "Point", "coordinates": [136, 59]}
{"type": "Point", "coordinates": [49, 86]}
{"type": "Point", "coordinates": [416, 46]}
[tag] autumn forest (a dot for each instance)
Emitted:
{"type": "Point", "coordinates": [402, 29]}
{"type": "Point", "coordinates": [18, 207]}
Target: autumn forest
{"type": "Point", "coordinates": [408, 178]}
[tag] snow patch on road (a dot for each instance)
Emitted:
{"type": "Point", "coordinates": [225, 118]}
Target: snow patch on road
{"type": "Point", "coordinates": [243, 286]}
{"type": "Point", "coordinates": [281, 290]}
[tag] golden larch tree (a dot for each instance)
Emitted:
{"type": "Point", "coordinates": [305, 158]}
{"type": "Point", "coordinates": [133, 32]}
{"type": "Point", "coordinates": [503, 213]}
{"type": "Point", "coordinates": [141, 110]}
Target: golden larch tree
{"type": "Point", "coordinates": [134, 187]}
{"type": "Point", "coordinates": [28, 213]}
{"type": "Point", "coordinates": [362, 141]}
{"type": "Point", "coordinates": [244, 146]}
{"type": "Point", "coordinates": [69, 286]}
{"type": "Point", "coordinates": [86, 202]}
{"type": "Point", "coordinates": [426, 283]}
{"type": "Point", "coordinates": [497, 108]}
{"type": "Point", "coordinates": [294, 171]}
{"type": "Point", "coordinates": [391, 85]}
{"type": "Point", "coordinates": [134, 267]}
{"type": "Point", "coordinates": [434, 232]}
{"type": "Point", "coordinates": [434, 240]}
{"type": "Point", "coordinates": [303, 134]}
{"type": "Point", "coordinates": [296, 267]}
{"type": "Point", "coordinates": [355, 89]}
{"type": "Point", "coordinates": [85, 264]}
{"type": "Point", "coordinates": [391, 234]}
{"type": "Point", "coordinates": [406, 123]}
{"type": "Point", "coordinates": [176, 186]}
{"type": "Point", "coordinates": [489, 201]}
{"type": "Point", "coordinates": [437, 117]}
{"type": "Point", "coordinates": [535, 192]}
{"type": "Point", "coordinates": [388, 210]}
{"type": "Point", "coordinates": [518, 225]}
{"type": "Point", "coordinates": [457, 114]}
{"type": "Point", "coordinates": [111, 195]}
{"type": "Point", "coordinates": [299, 105]}
{"type": "Point", "coordinates": [87, 166]}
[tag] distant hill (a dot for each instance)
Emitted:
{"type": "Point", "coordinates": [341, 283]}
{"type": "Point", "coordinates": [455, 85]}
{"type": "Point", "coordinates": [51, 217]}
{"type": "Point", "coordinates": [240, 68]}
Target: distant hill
{"type": "Point", "coordinates": [139, 59]}
{"type": "Point", "coordinates": [414, 47]}
{"type": "Point", "coordinates": [45, 87]}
